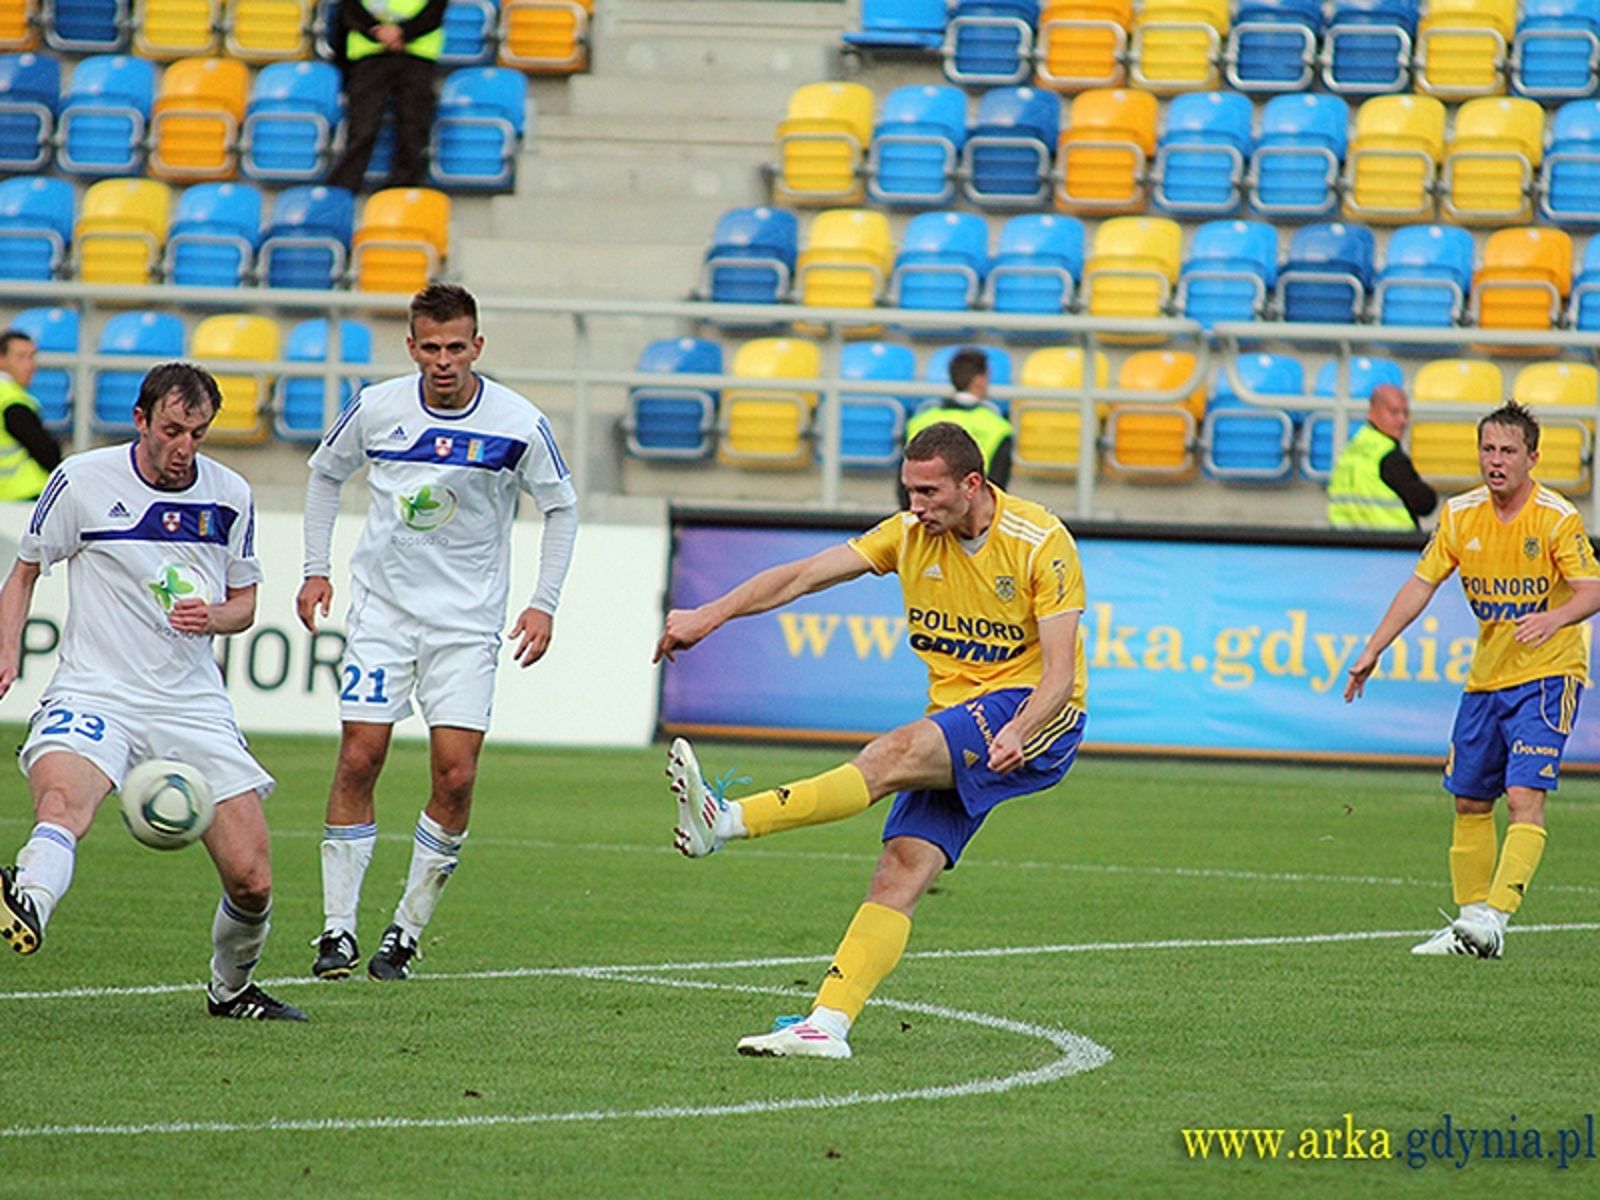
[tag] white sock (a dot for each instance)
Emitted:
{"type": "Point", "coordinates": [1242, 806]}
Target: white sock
{"type": "Point", "coordinates": [44, 867]}
{"type": "Point", "coordinates": [832, 1020]}
{"type": "Point", "coordinates": [435, 851]}
{"type": "Point", "coordinates": [236, 938]}
{"type": "Point", "coordinates": [730, 822]}
{"type": "Point", "coordinates": [346, 852]}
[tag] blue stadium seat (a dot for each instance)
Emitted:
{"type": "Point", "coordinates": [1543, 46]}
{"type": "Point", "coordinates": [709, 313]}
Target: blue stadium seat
{"type": "Point", "coordinates": [1202, 153]}
{"type": "Point", "coordinates": [54, 331]}
{"type": "Point", "coordinates": [1556, 49]}
{"type": "Point", "coordinates": [667, 421]}
{"type": "Point", "coordinates": [88, 26]}
{"type": "Point", "coordinates": [1272, 45]}
{"type": "Point", "coordinates": [1327, 275]}
{"type": "Point", "coordinates": [937, 370]}
{"type": "Point", "coordinates": [1316, 431]}
{"type": "Point", "coordinates": [1426, 277]}
{"type": "Point", "coordinates": [1570, 181]}
{"type": "Point", "coordinates": [1006, 158]}
{"type": "Point", "coordinates": [213, 237]}
{"type": "Point", "coordinates": [872, 426]}
{"type": "Point", "coordinates": [290, 121]}
{"type": "Point", "coordinates": [1584, 306]}
{"type": "Point", "coordinates": [1037, 264]}
{"type": "Point", "coordinates": [1244, 441]}
{"type": "Point", "coordinates": [1230, 273]}
{"type": "Point", "coordinates": [104, 116]}
{"type": "Point", "coordinates": [1367, 48]}
{"type": "Point", "coordinates": [916, 145]}
{"type": "Point", "coordinates": [1299, 155]}
{"type": "Point", "coordinates": [156, 335]}
{"type": "Point", "coordinates": [30, 96]}
{"type": "Point", "coordinates": [752, 255]}
{"type": "Point", "coordinates": [479, 127]}
{"type": "Point", "coordinates": [990, 42]}
{"type": "Point", "coordinates": [36, 220]}
{"type": "Point", "coordinates": [299, 407]}
{"type": "Point", "coordinates": [941, 266]}
{"type": "Point", "coordinates": [899, 25]}
{"type": "Point", "coordinates": [307, 240]}
{"type": "Point", "coordinates": [469, 33]}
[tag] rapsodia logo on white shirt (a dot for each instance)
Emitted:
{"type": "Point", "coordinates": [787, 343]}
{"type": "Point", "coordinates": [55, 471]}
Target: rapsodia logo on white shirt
{"type": "Point", "coordinates": [177, 581]}
{"type": "Point", "coordinates": [427, 508]}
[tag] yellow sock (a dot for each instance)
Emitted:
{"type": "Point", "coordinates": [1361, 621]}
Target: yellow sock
{"type": "Point", "coordinates": [1472, 847]}
{"type": "Point", "coordinates": [872, 946]}
{"type": "Point", "coordinates": [831, 796]}
{"type": "Point", "coordinates": [1519, 859]}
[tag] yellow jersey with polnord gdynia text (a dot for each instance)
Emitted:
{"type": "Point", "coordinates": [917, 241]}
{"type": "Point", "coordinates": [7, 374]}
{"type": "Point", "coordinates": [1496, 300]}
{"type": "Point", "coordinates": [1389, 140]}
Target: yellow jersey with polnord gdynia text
{"type": "Point", "coordinates": [974, 618]}
{"type": "Point", "coordinates": [1509, 568]}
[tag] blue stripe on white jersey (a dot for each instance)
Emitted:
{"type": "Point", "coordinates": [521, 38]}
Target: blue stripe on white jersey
{"type": "Point", "coordinates": [344, 419]}
{"type": "Point", "coordinates": [174, 522]}
{"type": "Point", "coordinates": [250, 534]}
{"type": "Point", "coordinates": [457, 448]}
{"type": "Point", "coordinates": [52, 492]}
{"type": "Point", "coordinates": [555, 451]}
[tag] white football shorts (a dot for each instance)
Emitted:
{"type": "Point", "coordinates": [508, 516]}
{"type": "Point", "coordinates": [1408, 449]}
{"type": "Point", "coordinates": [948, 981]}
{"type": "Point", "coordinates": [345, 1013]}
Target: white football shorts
{"type": "Point", "coordinates": [389, 656]}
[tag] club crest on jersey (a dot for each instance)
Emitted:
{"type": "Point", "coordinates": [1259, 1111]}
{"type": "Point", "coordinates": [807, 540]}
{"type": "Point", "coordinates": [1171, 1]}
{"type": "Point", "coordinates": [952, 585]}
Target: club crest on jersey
{"type": "Point", "coordinates": [1005, 586]}
{"type": "Point", "coordinates": [428, 507]}
{"type": "Point", "coordinates": [172, 521]}
{"type": "Point", "coordinates": [442, 446]}
{"type": "Point", "coordinates": [1530, 547]}
{"type": "Point", "coordinates": [176, 581]}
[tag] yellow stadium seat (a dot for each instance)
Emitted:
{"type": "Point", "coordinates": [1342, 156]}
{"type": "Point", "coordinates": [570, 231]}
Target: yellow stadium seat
{"type": "Point", "coordinates": [1109, 141]}
{"type": "Point", "coordinates": [1049, 432]}
{"type": "Point", "coordinates": [1524, 282]}
{"type": "Point", "coordinates": [1566, 438]}
{"type": "Point", "coordinates": [1462, 47]}
{"type": "Point", "coordinates": [1390, 167]}
{"type": "Point", "coordinates": [402, 241]}
{"type": "Point", "coordinates": [18, 25]}
{"type": "Point", "coordinates": [1132, 270]}
{"type": "Point", "coordinates": [1155, 441]}
{"type": "Point", "coordinates": [194, 126]}
{"type": "Point", "coordinates": [545, 37]}
{"type": "Point", "coordinates": [1445, 448]}
{"type": "Point", "coordinates": [263, 31]}
{"type": "Point", "coordinates": [169, 29]}
{"type": "Point", "coordinates": [121, 232]}
{"type": "Point", "coordinates": [244, 416]}
{"type": "Point", "coordinates": [769, 427]}
{"type": "Point", "coordinates": [1083, 43]}
{"type": "Point", "coordinates": [1177, 45]}
{"type": "Point", "coordinates": [845, 261]}
{"type": "Point", "coordinates": [821, 143]}
{"type": "Point", "coordinates": [1492, 161]}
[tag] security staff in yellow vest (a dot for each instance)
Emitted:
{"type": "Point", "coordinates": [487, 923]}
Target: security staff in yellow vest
{"type": "Point", "coordinates": [971, 409]}
{"type": "Point", "coordinates": [1374, 485]}
{"type": "Point", "coordinates": [390, 50]}
{"type": "Point", "coordinates": [27, 451]}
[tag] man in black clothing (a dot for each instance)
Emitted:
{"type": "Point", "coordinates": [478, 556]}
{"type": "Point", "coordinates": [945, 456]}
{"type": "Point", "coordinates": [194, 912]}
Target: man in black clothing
{"type": "Point", "coordinates": [1374, 485]}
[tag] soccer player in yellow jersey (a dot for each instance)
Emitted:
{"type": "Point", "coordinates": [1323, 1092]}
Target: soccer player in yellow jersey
{"type": "Point", "coordinates": [1529, 575]}
{"type": "Point", "coordinates": [993, 594]}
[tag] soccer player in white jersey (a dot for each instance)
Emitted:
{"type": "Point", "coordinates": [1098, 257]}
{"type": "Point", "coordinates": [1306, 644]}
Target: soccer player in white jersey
{"type": "Point", "coordinates": [159, 543]}
{"type": "Point", "coordinates": [447, 452]}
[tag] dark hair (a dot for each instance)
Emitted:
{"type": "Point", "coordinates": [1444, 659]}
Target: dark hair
{"type": "Point", "coordinates": [13, 335]}
{"type": "Point", "coordinates": [194, 385]}
{"type": "Point", "coordinates": [966, 365]}
{"type": "Point", "coordinates": [443, 302]}
{"type": "Point", "coordinates": [1514, 416]}
{"type": "Point", "coordinates": [950, 442]}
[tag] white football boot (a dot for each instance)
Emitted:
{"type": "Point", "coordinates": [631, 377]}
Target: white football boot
{"type": "Point", "coordinates": [695, 835]}
{"type": "Point", "coordinates": [800, 1040]}
{"type": "Point", "coordinates": [1480, 932]}
{"type": "Point", "coordinates": [1443, 942]}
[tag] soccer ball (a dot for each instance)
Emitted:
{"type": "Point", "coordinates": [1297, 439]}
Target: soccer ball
{"type": "Point", "coordinates": [166, 804]}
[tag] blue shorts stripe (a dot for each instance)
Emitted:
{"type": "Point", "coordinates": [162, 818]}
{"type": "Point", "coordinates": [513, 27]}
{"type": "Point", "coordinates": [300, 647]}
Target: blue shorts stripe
{"type": "Point", "coordinates": [1514, 737]}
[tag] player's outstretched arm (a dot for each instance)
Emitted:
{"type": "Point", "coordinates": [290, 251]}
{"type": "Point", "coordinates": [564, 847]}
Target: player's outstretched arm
{"type": "Point", "coordinates": [532, 629]}
{"type": "Point", "coordinates": [315, 596]}
{"type": "Point", "coordinates": [16, 598]}
{"type": "Point", "coordinates": [1405, 608]}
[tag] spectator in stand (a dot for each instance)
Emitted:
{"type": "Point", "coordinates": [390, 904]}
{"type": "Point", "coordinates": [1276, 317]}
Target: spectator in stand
{"type": "Point", "coordinates": [390, 48]}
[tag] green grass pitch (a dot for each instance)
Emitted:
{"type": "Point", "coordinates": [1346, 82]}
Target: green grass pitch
{"type": "Point", "coordinates": [1156, 909]}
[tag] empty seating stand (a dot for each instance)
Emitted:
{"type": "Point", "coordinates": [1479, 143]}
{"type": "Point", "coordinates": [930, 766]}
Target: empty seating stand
{"type": "Point", "coordinates": [669, 420]}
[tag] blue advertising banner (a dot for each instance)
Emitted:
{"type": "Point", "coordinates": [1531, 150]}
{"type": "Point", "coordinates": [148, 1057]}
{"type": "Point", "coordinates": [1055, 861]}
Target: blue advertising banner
{"type": "Point", "coordinates": [1192, 647]}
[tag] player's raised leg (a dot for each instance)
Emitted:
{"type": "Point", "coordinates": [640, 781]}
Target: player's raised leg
{"type": "Point", "coordinates": [238, 844]}
{"type": "Point", "coordinates": [67, 789]}
{"type": "Point", "coordinates": [348, 836]}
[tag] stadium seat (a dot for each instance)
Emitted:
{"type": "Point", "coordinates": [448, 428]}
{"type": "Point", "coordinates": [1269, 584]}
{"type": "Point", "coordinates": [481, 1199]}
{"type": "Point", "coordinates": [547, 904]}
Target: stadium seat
{"type": "Point", "coordinates": [989, 43]}
{"type": "Point", "coordinates": [1444, 449]}
{"type": "Point", "coordinates": [1103, 154]}
{"type": "Point", "coordinates": [1298, 159]}
{"type": "Point", "coordinates": [104, 116]}
{"type": "Point", "coordinates": [30, 96]}
{"type": "Point", "coordinates": [289, 123]}
{"type": "Point", "coordinates": [916, 145]}
{"type": "Point", "coordinates": [214, 236]}
{"type": "Point", "coordinates": [1083, 43]}
{"type": "Point", "coordinates": [937, 370]}
{"type": "Point", "coordinates": [769, 427]}
{"type": "Point", "coordinates": [1177, 45]}
{"type": "Point", "coordinates": [1230, 273]}
{"type": "Point", "coordinates": [822, 143]}
{"type": "Point", "coordinates": [1245, 441]}
{"type": "Point", "coordinates": [307, 240]}
{"type": "Point", "coordinates": [1203, 154]}
{"type": "Point", "coordinates": [672, 421]}
{"type": "Point", "coordinates": [36, 220]}
{"type": "Point", "coordinates": [941, 266]}
{"type": "Point", "coordinates": [1037, 264]}
{"type": "Point", "coordinates": [402, 241]}
{"type": "Point", "coordinates": [1491, 162]}
{"type": "Point", "coordinates": [1426, 277]}
{"type": "Point", "coordinates": [122, 231]}
{"type": "Point", "coordinates": [1049, 432]}
{"type": "Point", "coordinates": [469, 33]}
{"type": "Point", "coordinates": [1463, 47]}
{"type": "Point", "coordinates": [1390, 168]}
{"type": "Point", "coordinates": [87, 26]}
{"type": "Point", "coordinates": [1524, 281]}
{"type": "Point", "coordinates": [899, 25]}
{"type": "Point", "coordinates": [267, 31]}
{"type": "Point", "coordinates": [1272, 46]}
{"type": "Point", "coordinates": [545, 37]}
{"type": "Point", "coordinates": [1366, 48]}
{"type": "Point", "coordinates": [1563, 397]}
{"type": "Point", "coordinates": [846, 259]}
{"type": "Point", "coordinates": [1557, 46]}
{"type": "Point", "coordinates": [299, 411]}
{"type": "Point", "coordinates": [1317, 428]}
{"type": "Point", "coordinates": [1155, 440]}
{"type": "Point", "coordinates": [752, 257]}
{"type": "Point", "coordinates": [54, 331]}
{"type": "Point", "coordinates": [170, 29]}
{"type": "Point", "coordinates": [1583, 310]}
{"type": "Point", "coordinates": [1327, 274]}
{"type": "Point", "coordinates": [246, 398]}
{"type": "Point", "coordinates": [18, 26]}
{"type": "Point", "coordinates": [478, 129]}
{"type": "Point", "coordinates": [152, 335]}
{"type": "Point", "coordinates": [1006, 158]}
{"type": "Point", "coordinates": [1569, 190]}
{"type": "Point", "coordinates": [872, 425]}
{"type": "Point", "coordinates": [1132, 270]}
{"type": "Point", "coordinates": [194, 127]}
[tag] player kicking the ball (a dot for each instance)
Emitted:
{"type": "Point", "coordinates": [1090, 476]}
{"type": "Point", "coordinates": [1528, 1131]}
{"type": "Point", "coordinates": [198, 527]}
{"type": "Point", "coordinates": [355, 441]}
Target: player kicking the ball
{"type": "Point", "coordinates": [1004, 719]}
